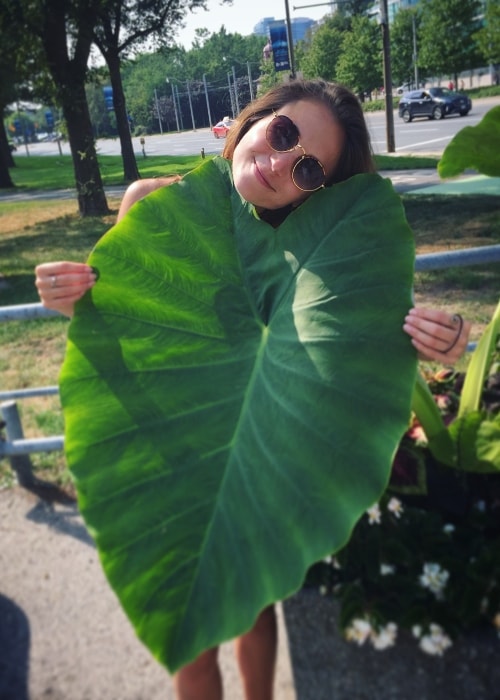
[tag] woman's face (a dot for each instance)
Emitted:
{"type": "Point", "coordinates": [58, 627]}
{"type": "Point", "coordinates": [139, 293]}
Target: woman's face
{"type": "Point", "coordinates": [264, 177]}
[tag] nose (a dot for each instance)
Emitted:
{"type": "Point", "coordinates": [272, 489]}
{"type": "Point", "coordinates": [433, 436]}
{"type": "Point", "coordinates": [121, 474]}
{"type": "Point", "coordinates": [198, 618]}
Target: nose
{"type": "Point", "coordinates": [281, 163]}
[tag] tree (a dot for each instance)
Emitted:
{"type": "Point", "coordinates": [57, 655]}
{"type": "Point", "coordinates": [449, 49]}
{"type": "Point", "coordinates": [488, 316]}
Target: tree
{"type": "Point", "coordinates": [7, 95]}
{"type": "Point", "coordinates": [64, 30]}
{"type": "Point", "coordinates": [125, 26]}
{"type": "Point", "coordinates": [360, 64]}
{"type": "Point", "coordinates": [319, 55]}
{"type": "Point", "coordinates": [23, 76]}
{"type": "Point", "coordinates": [446, 43]}
{"type": "Point", "coordinates": [488, 37]}
{"type": "Point", "coordinates": [402, 46]}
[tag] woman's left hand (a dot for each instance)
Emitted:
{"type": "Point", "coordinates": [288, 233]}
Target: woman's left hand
{"type": "Point", "coordinates": [437, 335]}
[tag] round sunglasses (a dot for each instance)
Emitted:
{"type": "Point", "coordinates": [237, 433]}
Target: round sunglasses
{"type": "Point", "coordinates": [282, 135]}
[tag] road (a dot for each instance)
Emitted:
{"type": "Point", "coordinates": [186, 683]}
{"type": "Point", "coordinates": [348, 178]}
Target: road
{"type": "Point", "coordinates": [418, 137]}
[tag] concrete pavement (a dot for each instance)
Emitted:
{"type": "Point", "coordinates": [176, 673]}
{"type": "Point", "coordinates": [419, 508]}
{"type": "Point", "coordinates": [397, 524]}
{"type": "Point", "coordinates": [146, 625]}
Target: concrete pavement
{"type": "Point", "coordinates": [63, 634]}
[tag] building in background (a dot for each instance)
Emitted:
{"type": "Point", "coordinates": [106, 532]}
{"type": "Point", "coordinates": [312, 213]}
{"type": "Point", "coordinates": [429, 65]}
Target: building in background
{"type": "Point", "coordinates": [300, 26]}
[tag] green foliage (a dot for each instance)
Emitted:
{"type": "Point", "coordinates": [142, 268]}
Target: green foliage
{"type": "Point", "coordinates": [488, 37]}
{"type": "Point", "coordinates": [474, 147]}
{"type": "Point", "coordinates": [446, 46]}
{"type": "Point", "coordinates": [224, 373]}
{"type": "Point", "coordinates": [322, 52]}
{"type": "Point", "coordinates": [467, 443]}
{"type": "Point", "coordinates": [268, 77]}
{"type": "Point", "coordinates": [429, 566]}
{"type": "Point", "coordinates": [402, 47]}
{"type": "Point", "coordinates": [360, 63]}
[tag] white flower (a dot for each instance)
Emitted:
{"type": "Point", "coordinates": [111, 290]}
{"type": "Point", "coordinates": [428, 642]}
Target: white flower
{"type": "Point", "coordinates": [434, 578]}
{"type": "Point", "coordinates": [385, 637]}
{"type": "Point", "coordinates": [448, 529]}
{"type": "Point", "coordinates": [395, 506]}
{"type": "Point", "coordinates": [374, 514]}
{"type": "Point", "coordinates": [323, 590]}
{"type": "Point", "coordinates": [387, 569]}
{"type": "Point", "coordinates": [328, 559]}
{"type": "Point", "coordinates": [358, 631]}
{"type": "Point", "coordinates": [436, 642]}
{"type": "Point", "coordinates": [416, 631]}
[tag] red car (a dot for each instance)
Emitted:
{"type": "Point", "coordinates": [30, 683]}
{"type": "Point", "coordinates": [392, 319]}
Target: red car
{"type": "Point", "coordinates": [221, 128]}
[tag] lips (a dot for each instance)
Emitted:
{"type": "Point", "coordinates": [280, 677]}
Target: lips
{"type": "Point", "coordinates": [261, 178]}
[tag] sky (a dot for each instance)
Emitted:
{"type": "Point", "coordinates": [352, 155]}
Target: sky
{"type": "Point", "coordinates": [243, 15]}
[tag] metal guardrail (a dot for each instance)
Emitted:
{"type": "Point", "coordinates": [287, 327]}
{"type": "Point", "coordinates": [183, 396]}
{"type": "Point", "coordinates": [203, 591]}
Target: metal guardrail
{"type": "Point", "coordinates": [17, 448]}
{"type": "Point", "coordinates": [458, 258]}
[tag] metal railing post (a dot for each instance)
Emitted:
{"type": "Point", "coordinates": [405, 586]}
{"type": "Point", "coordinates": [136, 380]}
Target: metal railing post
{"type": "Point", "coordinates": [21, 464]}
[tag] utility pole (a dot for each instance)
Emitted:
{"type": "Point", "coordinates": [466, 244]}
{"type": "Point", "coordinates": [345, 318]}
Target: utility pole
{"type": "Point", "coordinates": [158, 112]}
{"type": "Point", "coordinates": [386, 47]}
{"type": "Point", "coordinates": [235, 85]}
{"type": "Point", "coordinates": [206, 98]}
{"type": "Point", "coordinates": [415, 66]}
{"type": "Point", "coordinates": [250, 80]}
{"type": "Point", "coordinates": [290, 41]}
{"type": "Point", "coordinates": [175, 104]}
{"type": "Point", "coordinates": [190, 104]}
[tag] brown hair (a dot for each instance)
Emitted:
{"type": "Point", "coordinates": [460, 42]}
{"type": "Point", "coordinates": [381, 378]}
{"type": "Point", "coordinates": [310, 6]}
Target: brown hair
{"type": "Point", "coordinates": [356, 156]}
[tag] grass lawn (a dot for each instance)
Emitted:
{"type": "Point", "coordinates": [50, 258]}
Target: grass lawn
{"type": "Point", "coordinates": [38, 231]}
{"type": "Point", "coordinates": [56, 172]}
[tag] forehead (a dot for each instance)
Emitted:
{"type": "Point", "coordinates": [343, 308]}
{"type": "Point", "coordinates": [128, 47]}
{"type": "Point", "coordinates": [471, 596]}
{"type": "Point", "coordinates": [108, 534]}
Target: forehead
{"type": "Point", "coordinates": [320, 133]}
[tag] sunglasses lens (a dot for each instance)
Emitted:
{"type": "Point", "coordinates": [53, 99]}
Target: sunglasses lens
{"type": "Point", "coordinates": [308, 174]}
{"type": "Point", "coordinates": [282, 134]}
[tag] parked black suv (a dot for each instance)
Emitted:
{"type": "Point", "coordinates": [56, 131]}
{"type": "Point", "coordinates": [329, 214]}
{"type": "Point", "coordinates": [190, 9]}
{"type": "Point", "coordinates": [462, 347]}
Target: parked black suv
{"type": "Point", "coordinates": [434, 103]}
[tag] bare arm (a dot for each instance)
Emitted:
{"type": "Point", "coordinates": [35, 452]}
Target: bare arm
{"type": "Point", "coordinates": [437, 335]}
{"type": "Point", "coordinates": [60, 284]}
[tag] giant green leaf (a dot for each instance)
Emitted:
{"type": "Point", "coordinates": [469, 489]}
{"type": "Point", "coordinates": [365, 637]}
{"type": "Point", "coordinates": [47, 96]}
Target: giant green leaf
{"type": "Point", "coordinates": [474, 147]}
{"type": "Point", "coordinates": [233, 396]}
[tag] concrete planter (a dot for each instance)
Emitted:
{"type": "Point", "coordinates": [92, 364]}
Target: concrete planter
{"type": "Point", "coordinates": [326, 667]}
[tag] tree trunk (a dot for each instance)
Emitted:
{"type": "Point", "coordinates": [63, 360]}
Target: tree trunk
{"type": "Point", "coordinates": [130, 170]}
{"type": "Point", "coordinates": [68, 73]}
{"type": "Point", "coordinates": [90, 190]}
{"type": "Point", "coordinates": [6, 161]}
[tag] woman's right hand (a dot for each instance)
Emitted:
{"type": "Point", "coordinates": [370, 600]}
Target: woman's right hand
{"type": "Point", "coordinates": [61, 284]}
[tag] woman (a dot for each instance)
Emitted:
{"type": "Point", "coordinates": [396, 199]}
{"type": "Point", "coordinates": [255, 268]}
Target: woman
{"type": "Point", "coordinates": [296, 139]}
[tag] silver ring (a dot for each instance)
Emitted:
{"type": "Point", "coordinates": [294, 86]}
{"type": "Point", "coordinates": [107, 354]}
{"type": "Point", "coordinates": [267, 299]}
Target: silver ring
{"type": "Point", "coordinates": [53, 281]}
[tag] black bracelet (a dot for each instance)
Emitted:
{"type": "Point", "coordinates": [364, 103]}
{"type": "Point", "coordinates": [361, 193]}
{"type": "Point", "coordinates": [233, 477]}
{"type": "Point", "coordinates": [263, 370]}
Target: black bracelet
{"type": "Point", "coordinates": [456, 319]}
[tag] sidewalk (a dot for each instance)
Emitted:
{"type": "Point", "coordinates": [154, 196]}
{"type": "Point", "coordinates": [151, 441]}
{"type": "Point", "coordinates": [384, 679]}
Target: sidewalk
{"type": "Point", "coordinates": [63, 634]}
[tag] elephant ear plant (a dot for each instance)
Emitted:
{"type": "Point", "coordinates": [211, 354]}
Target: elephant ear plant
{"type": "Point", "coordinates": [229, 413]}
{"type": "Point", "coordinates": [471, 442]}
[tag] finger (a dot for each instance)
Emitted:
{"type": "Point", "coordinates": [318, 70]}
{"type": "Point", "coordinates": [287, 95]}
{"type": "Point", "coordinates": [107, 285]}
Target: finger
{"type": "Point", "coordinates": [60, 267]}
{"type": "Point", "coordinates": [435, 335]}
{"type": "Point", "coordinates": [48, 279]}
{"type": "Point", "coordinates": [424, 313]}
{"type": "Point", "coordinates": [433, 350]}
